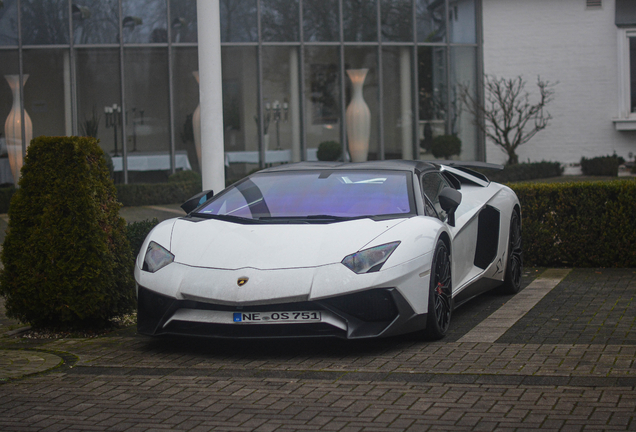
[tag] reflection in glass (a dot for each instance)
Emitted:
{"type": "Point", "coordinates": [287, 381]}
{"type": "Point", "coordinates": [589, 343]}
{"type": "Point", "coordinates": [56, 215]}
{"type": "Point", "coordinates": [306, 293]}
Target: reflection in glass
{"type": "Point", "coordinates": [360, 19]}
{"type": "Point", "coordinates": [44, 22]}
{"type": "Point", "coordinates": [431, 21]}
{"type": "Point", "coordinates": [463, 71]}
{"type": "Point", "coordinates": [432, 98]}
{"type": "Point", "coordinates": [96, 22]}
{"type": "Point", "coordinates": [321, 93]}
{"type": "Point", "coordinates": [144, 21]}
{"type": "Point", "coordinates": [238, 20]}
{"type": "Point", "coordinates": [183, 14]}
{"type": "Point", "coordinates": [186, 100]}
{"type": "Point", "coordinates": [397, 20]}
{"type": "Point", "coordinates": [239, 110]}
{"type": "Point", "coordinates": [9, 23]}
{"type": "Point", "coordinates": [397, 90]}
{"type": "Point", "coordinates": [279, 20]}
{"type": "Point", "coordinates": [146, 116]}
{"type": "Point", "coordinates": [320, 21]}
{"type": "Point", "coordinates": [8, 66]}
{"type": "Point", "coordinates": [97, 74]}
{"type": "Point", "coordinates": [47, 96]}
{"type": "Point", "coordinates": [461, 19]}
{"type": "Point", "coordinates": [366, 58]}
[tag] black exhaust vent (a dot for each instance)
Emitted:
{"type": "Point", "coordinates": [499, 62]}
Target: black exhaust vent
{"type": "Point", "coordinates": [375, 305]}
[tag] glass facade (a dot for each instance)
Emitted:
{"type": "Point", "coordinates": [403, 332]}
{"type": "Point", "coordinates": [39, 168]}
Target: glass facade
{"type": "Point", "coordinates": [126, 72]}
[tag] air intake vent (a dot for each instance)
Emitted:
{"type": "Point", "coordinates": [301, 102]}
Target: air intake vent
{"type": "Point", "coordinates": [593, 4]}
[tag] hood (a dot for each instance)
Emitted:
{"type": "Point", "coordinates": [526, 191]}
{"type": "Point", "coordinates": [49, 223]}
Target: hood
{"type": "Point", "coordinates": [224, 245]}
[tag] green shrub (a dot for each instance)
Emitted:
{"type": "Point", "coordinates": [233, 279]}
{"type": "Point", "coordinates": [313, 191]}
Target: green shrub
{"type": "Point", "coordinates": [187, 176]}
{"type": "Point", "coordinates": [584, 224]}
{"type": "Point", "coordinates": [445, 146]}
{"type": "Point", "coordinates": [6, 193]}
{"type": "Point", "coordinates": [137, 233]}
{"type": "Point", "coordinates": [526, 171]}
{"type": "Point", "coordinates": [601, 166]}
{"type": "Point", "coordinates": [67, 261]}
{"type": "Point", "coordinates": [141, 194]}
{"type": "Point", "coordinates": [329, 151]}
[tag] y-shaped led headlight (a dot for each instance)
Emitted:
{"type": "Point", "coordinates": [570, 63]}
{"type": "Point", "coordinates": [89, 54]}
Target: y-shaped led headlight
{"type": "Point", "coordinates": [369, 260]}
{"type": "Point", "coordinates": [157, 257]}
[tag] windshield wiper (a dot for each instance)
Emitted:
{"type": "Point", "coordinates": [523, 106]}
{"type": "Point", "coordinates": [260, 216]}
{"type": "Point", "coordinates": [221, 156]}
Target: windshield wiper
{"type": "Point", "coordinates": [227, 218]}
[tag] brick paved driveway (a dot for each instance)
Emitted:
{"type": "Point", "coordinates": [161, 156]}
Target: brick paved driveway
{"type": "Point", "coordinates": [558, 368]}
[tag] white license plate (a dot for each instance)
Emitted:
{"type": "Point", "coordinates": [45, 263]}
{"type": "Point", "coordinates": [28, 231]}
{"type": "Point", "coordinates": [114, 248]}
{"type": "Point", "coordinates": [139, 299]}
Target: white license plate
{"type": "Point", "coordinates": [276, 317]}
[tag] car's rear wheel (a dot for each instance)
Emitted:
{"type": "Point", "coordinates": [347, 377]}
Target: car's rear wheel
{"type": "Point", "coordinates": [440, 300]}
{"type": "Point", "coordinates": [514, 264]}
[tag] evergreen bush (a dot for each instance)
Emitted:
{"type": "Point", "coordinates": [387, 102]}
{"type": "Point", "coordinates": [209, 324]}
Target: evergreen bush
{"type": "Point", "coordinates": [445, 146]}
{"type": "Point", "coordinates": [141, 194]}
{"type": "Point", "coordinates": [137, 233]}
{"type": "Point", "coordinates": [526, 171]}
{"type": "Point", "coordinates": [67, 261]}
{"type": "Point", "coordinates": [601, 166]}
{"type": "Point", "coordinates": [329, 151]}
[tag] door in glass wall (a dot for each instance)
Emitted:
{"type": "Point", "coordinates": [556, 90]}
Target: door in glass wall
{"type": "Point", "coordinates": [461, 122]}
{"type": "Point", "coordinates": [147, 116]}
{"type": "Point", "coordinates": [398, 102]}
{"type": "Point", "coordinates": [432, 98]}
{"type": "Point", "coordinates": [362, 90]}
{"type": "Point", "coordinates": [321, 99]}
{"type": "Point", "coordinates": [99, 98]}
{"type": "Point", "coordinates": [9, 107]}
{"type": "Point", "coordinates": [281, 98]}
{"type": "Point", "coordinates": [240, 113]}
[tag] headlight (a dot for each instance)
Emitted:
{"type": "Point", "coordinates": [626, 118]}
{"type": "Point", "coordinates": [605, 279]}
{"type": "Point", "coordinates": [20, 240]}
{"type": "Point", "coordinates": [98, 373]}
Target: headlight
{"type": "Point", "coordinates": [369, 260]}
{"type": "Point", "coordinates": [157, 257]}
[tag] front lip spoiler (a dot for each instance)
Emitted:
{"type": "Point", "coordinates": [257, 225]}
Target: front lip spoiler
{"type": "Point", "coordinates": [156, 310]}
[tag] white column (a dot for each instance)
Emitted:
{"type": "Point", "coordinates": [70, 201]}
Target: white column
{"type": "Point", "coordinates": [405, 102]}
{"type": "Point", "coordinates": [294, 106]}
{"type": "Point", "coordinates": [210, 95]}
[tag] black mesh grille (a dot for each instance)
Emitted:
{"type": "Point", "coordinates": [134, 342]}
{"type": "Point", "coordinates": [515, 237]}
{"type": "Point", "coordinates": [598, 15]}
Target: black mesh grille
{"type": "Point", "coordinates": [369, 306]}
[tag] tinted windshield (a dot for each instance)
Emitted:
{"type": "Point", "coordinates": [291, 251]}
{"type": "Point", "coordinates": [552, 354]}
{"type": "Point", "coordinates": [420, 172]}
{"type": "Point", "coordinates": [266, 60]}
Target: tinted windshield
{"type": "Point", "coordinates": [306, 194]}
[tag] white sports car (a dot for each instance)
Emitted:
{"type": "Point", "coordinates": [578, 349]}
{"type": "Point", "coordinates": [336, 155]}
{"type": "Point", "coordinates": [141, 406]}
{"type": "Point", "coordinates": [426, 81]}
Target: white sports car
{"type": "Point", "coordinates": [331, 249]}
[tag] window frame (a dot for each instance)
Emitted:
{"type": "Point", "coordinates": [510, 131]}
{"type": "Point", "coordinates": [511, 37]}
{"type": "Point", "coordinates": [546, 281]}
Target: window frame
{"type": "Point", "coordinates": [626, 119]}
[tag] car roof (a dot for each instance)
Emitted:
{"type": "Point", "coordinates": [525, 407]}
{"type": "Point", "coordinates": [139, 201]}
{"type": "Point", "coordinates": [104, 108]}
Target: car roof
{"type": "Point", "coordinates": [401, 165]}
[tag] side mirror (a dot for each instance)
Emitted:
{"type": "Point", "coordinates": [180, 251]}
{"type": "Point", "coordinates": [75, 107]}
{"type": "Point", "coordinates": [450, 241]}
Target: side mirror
{"type": "Point", "coordinates": [196, 201]}
{"type": "Point", "coordinates": [449, 200]}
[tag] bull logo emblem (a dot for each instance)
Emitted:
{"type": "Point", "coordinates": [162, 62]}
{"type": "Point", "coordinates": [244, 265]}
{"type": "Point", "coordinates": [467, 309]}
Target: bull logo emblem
{"type": "Point", "coordinates": [242, 281]}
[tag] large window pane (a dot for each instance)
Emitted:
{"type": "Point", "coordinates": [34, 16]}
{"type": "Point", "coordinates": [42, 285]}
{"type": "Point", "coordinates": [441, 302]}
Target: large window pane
{"type": "Point", "coordinates": [432, 97]}
{"type": "Point", "coordinates": [360, 20]}
{"type": "Point", "coordinates": [9, 23]}
{"type": "Point", "coordinates": [320, 21]}
{"type": "Point", "coordinates": [463, 72]}
{"type": "Point", "coordinates": [239, 110]}
{"type": "Point", "coordinates": [44, 22]}
{"type": "Point", "coordinates": [238, 20]}
{"type": "Point", "coordinates": [632, 72]}
{"type": "Point", "coordinates": [8, 66]}
{"type": "Point", "coordinates": [397, 20]}
{"type": "Point", "coordinates": [96, 22]}
{"type": "Point", "coordinates": [183, 14]}
{"type": "Point", "coordinates": [321, 97]}
{"type": "Point", "coordinates": [279, 20]}
{"type": "Point", "coordinates": [398, 113]}
{"type": "Point", "coordinates": [461, 18]}
{"type": "Point", "coordinates": [147, 114]}
{"type": "Point", "coordinates": [431, 20]}
{"type": "Point", "coordinates": [145, 21]}
{"type": "Point", "coordinates": [365, 58]}
{"type": "Point", "coordinates": [98, 89]}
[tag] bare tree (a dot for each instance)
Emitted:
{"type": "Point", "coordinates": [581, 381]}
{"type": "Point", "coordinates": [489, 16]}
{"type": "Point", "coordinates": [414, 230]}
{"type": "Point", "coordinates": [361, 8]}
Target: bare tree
{"type": "Point", "coordinates": [510, 118]}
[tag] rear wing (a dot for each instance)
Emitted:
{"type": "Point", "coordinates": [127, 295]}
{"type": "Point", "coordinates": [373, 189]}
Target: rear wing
{"type": "Point", "coordinates": [464, 170]}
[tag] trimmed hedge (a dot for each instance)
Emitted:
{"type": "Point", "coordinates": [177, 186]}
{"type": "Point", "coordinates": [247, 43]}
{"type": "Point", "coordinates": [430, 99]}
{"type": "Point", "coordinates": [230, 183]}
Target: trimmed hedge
{"type": "Point", "coordinates": [140, 194]}
{"type": "Point", "coordinates": [525, 171]}
{"type": "Point", "coordinates": [137, 233]}
{"type": "Point", "coordinates": [67, 261]}
{"type": "Point", "coordinates": [601, 166]}
{"type": "Point", "coordinates": [584, 224]}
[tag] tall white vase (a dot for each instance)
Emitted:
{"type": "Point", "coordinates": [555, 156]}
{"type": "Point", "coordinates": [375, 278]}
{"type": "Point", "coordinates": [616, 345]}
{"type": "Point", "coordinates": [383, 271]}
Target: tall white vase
{"type": "Point", "coordinates": [358, 118]}
{"type": "Point", "coordinates": [13, 128]}
{"type": "Point", "coordinates": [196, 123]}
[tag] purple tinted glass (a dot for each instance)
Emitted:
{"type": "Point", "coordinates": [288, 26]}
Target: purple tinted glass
{"type": "Point", "coordinates": [313, 193]}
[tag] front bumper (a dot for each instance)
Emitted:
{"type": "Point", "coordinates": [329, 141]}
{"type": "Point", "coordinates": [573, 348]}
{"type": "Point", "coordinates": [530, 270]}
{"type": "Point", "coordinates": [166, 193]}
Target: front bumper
{"type": "Point", "coordinates": [371, 313]}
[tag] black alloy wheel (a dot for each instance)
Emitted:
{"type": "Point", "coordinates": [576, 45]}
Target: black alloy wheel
{"type": "Point", "coordinates": [440, 299]}
{"type": "Point", "coordinates": [514, 265]}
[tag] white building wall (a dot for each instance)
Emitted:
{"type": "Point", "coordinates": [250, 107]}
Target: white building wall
{"type": "Point", "coordinates": [560, 40]}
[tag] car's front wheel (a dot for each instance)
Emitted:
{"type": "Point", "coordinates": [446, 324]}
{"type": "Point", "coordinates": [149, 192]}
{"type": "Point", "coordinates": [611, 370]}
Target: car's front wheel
{"type": "Point", "coordinates": [514, 265]}
{"type": "Point", "coordinates": [440, 300]}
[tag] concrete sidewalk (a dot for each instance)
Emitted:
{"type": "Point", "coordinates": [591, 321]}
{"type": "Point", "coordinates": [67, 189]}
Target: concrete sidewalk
{"type": "Point", "coordinates": [565, 364]}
